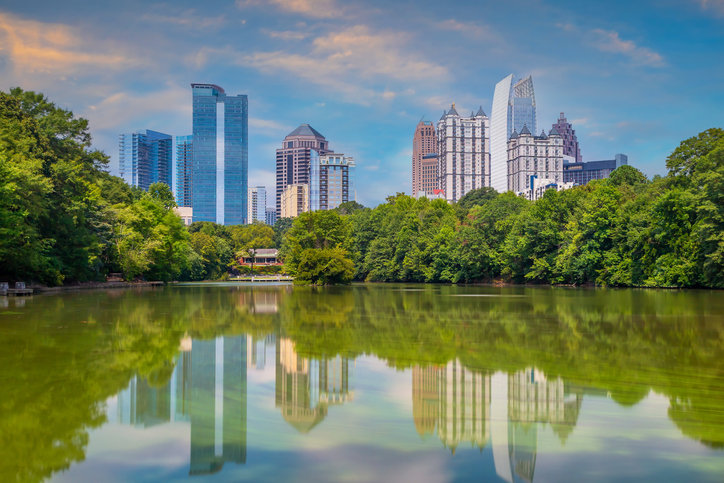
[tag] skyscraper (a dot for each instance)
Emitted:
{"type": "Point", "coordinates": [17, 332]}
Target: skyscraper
{"type": "Point", "coordinates": [184, 170]}
{"type": "Point", "coordinates": [294, 156]}
{"type": "Point", "coordinates": [424, 142]}
{"type": "Point", "coordinates": [144, 157]}
{"type": "Point", "coordinates": [331, 180]}
{"type": "Point", "coordinates": [570, 141]}
{"type": "Point", "coordinates": [257, 204]}
{"type": "Point", "coordinates": [532, 156]}
{"type": "Point", "coordinates": [513, 107]}
{"type": "Point", "coordinates": [463, 153]}
{"type": "Point", "coordinates": [220, 154]}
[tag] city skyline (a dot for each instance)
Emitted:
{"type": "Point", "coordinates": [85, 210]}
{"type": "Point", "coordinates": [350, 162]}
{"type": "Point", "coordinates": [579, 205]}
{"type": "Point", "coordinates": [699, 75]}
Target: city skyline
{"type": "Point", "coordinates": [365, 79]}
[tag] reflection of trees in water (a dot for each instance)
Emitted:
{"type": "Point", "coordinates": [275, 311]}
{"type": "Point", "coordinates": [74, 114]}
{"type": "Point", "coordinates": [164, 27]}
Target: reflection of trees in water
{"type": "Point", "coordinates": [70, 352]}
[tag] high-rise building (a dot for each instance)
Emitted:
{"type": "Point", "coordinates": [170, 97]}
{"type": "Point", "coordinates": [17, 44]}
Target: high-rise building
{"type": "Point", "coordinates": [220, 155]}
{"type": "Point", "coordinates": [513, 107]}
{"type": "Point", "coordinates": [531, 157]}
{"type": "Point", "coordinates": [463, 153]}
{"type": "Point", "coordinates": [429, 176]}
{"type": "Point", "coordinates": [331, 180]}
{"type": "Point", "coordinates": [582, 173]}
{"type": "Point", "coordinates": [184, 170]}
{"type": "Point", "coordinates": [271, 215]}
{"type": "Point", "coordinates": [424, 143]}
{"type": "Point", "coordinates": [294, 200]}
{"type": "Point", "coordinates": [144, 157]}
{"type": "Point", "coordinates": [294, 157]}
{"type": "Point", "coordinates": [570, 141]}
{"type": "Point", "coordinates": [256, 204]}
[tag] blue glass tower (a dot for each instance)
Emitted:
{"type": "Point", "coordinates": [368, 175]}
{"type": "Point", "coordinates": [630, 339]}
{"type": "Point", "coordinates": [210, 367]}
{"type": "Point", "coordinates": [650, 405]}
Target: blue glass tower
{"type": "Point", "coordinates": [144, 157]}
{"type": "Point", "coordinates": [184, 170]}
{"type": "Point", "coordinates": [220, 155]}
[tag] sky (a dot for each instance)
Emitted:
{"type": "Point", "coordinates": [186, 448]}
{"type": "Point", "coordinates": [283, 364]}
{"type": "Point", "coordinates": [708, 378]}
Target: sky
{"type": "Point", "coordinates": [634, 77]}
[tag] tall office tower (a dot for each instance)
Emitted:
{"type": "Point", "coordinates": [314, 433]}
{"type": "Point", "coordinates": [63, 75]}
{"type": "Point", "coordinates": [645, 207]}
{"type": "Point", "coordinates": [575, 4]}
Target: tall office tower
{"type": "Point", "coordinates": [294, 200]}
{"type": "Point", "coordinates": [531, 157]}
{"type": "Point", "coordinates": [429, 176]}
{"type": "Point", "coordinates": [513, 108]}
{"type": "Point", "coordinates": [424, 143]}
{"type": "Point", "coordinates": [256, 204]}
{"type": "Point", "coordinates": [184, 170]}
{"type": "Point", "coordinates": [463, 153]}
{"type": "Point", "coordinates": [570, 141]}
{"type": "Point", "coordinates": [294, 156]}
{"type": "Point", "coordinates": [331, 180]}
{"type": "Point", "coordinates": [144, 157]}
{"type": "Point", "coordinates": [271, 216]}
{"type": "Point", "coordinates": [220, 154]}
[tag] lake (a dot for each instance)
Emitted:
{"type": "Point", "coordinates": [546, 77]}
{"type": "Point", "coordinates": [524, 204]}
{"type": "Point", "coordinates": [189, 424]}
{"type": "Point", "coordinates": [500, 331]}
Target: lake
{"type": "Point", "coordinates": [420, 383]}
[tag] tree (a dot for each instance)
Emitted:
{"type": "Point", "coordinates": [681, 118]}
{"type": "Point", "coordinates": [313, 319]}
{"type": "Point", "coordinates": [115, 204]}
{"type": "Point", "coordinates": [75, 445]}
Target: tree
{"type": "Point", "coordinates": [281, 226]}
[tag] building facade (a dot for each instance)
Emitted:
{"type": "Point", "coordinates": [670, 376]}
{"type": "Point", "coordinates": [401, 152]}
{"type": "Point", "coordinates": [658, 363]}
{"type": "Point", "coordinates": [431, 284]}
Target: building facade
{"type": "Point", "coordinates": [331, 180]}
{"type": "Point", "coordinates": [271, 216]}
{"type": "Point", "coordinates": [570, 141]}
{"type": "Point", "coordinates": [256, 205]}
{"type": "Point", "coordinates": [582, 173]}
{"type": "Point", "coordinates": [294, 200]}
{"type": "Point", "coordinates": [220, 155]}
{"type": "Point", "coordinates": [429, 176]}
{"type": "Point", "coordinates": [513, 107]}
{"type": "Point", "coordinates": [184, 170]}
{"type": "Point", "coordinates": [531, 157]}
{"type": "Point", "coordinates": [463, 153]}
{"type": "Point", "coordinates": [293, 159]}
{"type": "Point", "coordinates": [424, 143]}
{"type": "Point", "coordinates": [145, 157]}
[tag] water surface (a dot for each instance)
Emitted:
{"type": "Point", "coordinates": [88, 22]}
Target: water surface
{"type": "Point", "coordinates": [362, 383]}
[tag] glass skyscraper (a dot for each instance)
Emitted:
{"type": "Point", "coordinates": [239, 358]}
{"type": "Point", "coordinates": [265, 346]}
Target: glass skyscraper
{"type": "Point", "coordinates": [184, 169]}
{"type": "Point", "coordinates": [144, 157]}
{"type": "Point", "coordinates": [513, 107]}
{"type": "Point", "coordinates": [220, 155]}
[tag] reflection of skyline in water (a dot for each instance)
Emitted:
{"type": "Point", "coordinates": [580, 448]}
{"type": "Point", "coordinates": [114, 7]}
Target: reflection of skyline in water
{"type": "Point", "coordinates": [502, 410]}
{"type": "Point", "coordinates": [207, 389]}
{"type": "Point", "coordinates": [306, 387]}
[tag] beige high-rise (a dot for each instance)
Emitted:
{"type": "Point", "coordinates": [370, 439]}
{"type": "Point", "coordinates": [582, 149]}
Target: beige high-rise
{"type": "Point", "coordinates": [294, 200]}
{"type": "Point", "coordinates": [424, 172]}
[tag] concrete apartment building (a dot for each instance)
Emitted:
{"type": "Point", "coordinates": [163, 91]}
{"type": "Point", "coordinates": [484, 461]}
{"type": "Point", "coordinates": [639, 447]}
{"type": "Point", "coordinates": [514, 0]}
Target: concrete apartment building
{"type": "Point", "coordinates": [294, 200]}
{"type": "Point", "coordinates": [424, 168]}
{"type": "Point", "coordinates": [531, 157]}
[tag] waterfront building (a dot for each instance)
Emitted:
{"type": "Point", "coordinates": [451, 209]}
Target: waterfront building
{"type": "Point", "coordinates": [331, 180]}
{"type": "Point", "coordinates": [513, 107]}
{"type": "Point", "coordinates": [256, 205]}
{"type": "Point", "coordinates": [570, 141]}
{"type": "Point", "coordinates": [271, 216]}
{"type": "Point", "coordinates": [294, 200]}
{"type": "Point", "coordinates": [184, 170]}
{"type": "Point", "coordinates": [220, 155]}
{"type": "Point", "coordinates": [534, 157]}
{"type": "Point", "coordinates": [144, 157]}
{"type": "Point", "coordinates": [582, 173]}
{"type": "Point", "coordinates": [463, 153]}
{"type": "Point", "coordinates": [293, 159]}
{"type": "Point", "coordinates": [424, 144]}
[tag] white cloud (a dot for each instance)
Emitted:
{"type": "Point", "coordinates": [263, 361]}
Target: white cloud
{"type": "Point", "coordinates": [610, 41]}
{"type": "Point", "coordinates": [309, 8]}
{"type": "Point", "coordinates": [287, 35]}
{"type": "Point", "coordinates": [268, 126]}
{"type": "Point", "coordinates": [717, 6]}
{"type": "Point", "coordinates": [471, 29]}
{"type": "Point", "coordinates": [189, 18]}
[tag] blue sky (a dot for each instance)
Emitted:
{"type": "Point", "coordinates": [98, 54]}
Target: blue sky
{"type": "Point", "coordinates": [633, 76]}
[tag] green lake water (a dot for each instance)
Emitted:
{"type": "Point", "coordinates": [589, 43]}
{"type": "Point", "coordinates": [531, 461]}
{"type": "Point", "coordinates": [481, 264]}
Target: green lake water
{"type": "Point", "coordinates": [418, 383]}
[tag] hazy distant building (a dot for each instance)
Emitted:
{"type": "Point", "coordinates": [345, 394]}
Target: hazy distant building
{"type": "Point", "coordinates": [531, 157]}
{"type": "Point", "coordinates": [429, 176]}
{"type": "Point", "coordinates": [220, 155]}
{"type": "Point", "coordinates": [513, 107]}
{"type": "Point", "coordinates": [424, 143]}
{"type": "Point", "coordinates": [331, 180]}
{"type": "Point", "coordinates": [145, 157]}
{"type": "Point", "coordinates": [463, 153]}
{"type": "Point", "coordinates": [271, 216]}
{"type": "Point", "coordinates": [184, 170]}
{"type": "Point", "coordinates": [582, 173]}
{"type": "Point", "coordinates": [293, 159]}
{"type": "Point", "coordinates": [570, 141]}
{"type": "Point", "coordinates": [294, 200]}
{"type": "Point", "coordinates": [256, 205]}
{"type": "Point", "coordinates": [186, 213]}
